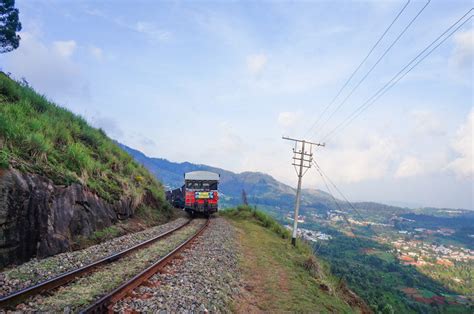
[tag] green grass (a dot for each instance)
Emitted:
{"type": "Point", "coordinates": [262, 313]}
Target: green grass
{"type": "Point", "coordinates": [246, 212]}
{"type": "Point", "coordinates": [281, 277]}
{"type": "Point", "coordinates": [40, 137]}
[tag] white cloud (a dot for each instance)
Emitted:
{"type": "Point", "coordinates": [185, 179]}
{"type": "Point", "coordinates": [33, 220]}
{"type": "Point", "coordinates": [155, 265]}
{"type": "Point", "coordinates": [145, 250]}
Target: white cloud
{"type": "Point", "coordinates": [96, 52]}
{"type": "Point", "coordinates": [65, 48]}
{"type": "Point", "coordinates": [256, 63]}
{"type": "Point", "coordinates": [410, 166]}
{"type": "Point", "coordinates": [109, 125]}
{"type": "Point", "coordinates": [288, 119]}
{"type": "Point", "coordinates": [48, 68]}
{"type": "Point", "coordinates": [356, 162]}
{"type": "Point", "coordinates": [463, 54]}
{"type": "Point", "coordinates": [462, 166]}
{"type": "Point", "coordinates": [152, 31]}
{"type": "Point", "coordinates": [427, 123]}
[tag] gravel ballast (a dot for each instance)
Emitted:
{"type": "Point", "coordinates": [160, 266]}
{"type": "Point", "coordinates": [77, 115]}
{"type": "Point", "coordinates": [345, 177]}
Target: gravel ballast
{"type": "Point", "coordinates": [80, 293]}
{"type": "Point", "coordinates": [39, 270]}
{"type": "Point", "coordinates": [205, 279]}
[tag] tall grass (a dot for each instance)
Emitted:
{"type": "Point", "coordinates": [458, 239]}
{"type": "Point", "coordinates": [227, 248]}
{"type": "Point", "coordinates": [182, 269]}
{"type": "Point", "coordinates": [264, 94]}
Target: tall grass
{"type": "Point", "coordinates": [261, 217]}
{"type": "Point", "coordinates": [40, 137]}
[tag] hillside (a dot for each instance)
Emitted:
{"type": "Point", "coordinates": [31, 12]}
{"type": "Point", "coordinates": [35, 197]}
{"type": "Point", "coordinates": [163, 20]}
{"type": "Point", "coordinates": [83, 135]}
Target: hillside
{"type": "Point", "coordinates": [61, 179]}
{"type": "Point", "coordinates": [278, 277]}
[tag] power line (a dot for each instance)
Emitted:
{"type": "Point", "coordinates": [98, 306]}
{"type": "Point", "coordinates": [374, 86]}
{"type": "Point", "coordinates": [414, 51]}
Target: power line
{"type": "Point", "coordinates": [376, 63]}
{"type": "Point", "coordinates": [358, 67]}
{"type": "Point", "coordinates": [340, 193]}
{"type": "Point", "coordinates": [336, 202]}
{"type": "Point", "coordinates": [396, 78]}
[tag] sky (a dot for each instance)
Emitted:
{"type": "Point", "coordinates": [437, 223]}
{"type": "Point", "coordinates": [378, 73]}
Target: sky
{"type": "Point", "coordinates": [220, 82]}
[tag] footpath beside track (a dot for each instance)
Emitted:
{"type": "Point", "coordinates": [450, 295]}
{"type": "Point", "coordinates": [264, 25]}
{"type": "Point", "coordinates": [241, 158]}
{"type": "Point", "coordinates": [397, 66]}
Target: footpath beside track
{"type": "Point", "coordinates": [13, 299]}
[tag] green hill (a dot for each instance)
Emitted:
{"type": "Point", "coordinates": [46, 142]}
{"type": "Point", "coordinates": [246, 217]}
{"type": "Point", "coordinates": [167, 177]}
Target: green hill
{"type": "Point", "coordinates": [40, 137]}
{"type": "Point", "coordinates": [62, 180]}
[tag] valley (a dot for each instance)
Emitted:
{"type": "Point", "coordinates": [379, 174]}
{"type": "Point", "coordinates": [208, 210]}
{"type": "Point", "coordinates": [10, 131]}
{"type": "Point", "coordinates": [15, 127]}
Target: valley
{"type": "Point", "coordinates": [397, 259]}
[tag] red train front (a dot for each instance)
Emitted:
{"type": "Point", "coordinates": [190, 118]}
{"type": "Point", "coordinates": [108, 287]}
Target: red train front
{"type": "Point", "coordinates": [201, 194]}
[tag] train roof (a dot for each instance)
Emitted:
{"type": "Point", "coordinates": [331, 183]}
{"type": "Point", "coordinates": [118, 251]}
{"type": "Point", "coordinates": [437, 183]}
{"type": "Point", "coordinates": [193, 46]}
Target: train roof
{"type": "Point", "coordinates": [201, 175]}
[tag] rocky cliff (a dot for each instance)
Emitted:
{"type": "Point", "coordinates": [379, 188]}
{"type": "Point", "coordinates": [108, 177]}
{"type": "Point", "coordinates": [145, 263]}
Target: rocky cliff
{"type": "Point", "coordinates": [39, 218]}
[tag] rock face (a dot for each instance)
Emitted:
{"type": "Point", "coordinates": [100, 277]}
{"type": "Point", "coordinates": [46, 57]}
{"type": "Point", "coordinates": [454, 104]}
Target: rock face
{"type": "Point", "coordinates": [38, 218]}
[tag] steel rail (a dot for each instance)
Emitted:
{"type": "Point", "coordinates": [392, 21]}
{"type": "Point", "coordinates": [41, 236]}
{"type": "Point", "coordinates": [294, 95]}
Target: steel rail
{"type": "Point", "coordinates": [16, 297]}
{"type": "Point", "coordinates": [106, 303]}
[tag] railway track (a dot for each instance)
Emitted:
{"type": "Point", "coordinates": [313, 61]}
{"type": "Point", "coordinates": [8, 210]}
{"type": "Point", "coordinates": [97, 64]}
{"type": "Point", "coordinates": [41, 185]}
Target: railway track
{"type": "Point", "coordinates": [15, 298]}
{"type": "Point", "coordinates": [106, 303]}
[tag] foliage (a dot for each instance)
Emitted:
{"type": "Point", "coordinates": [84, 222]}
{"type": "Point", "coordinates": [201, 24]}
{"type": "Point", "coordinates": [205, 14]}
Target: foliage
{"type": "Point", "coordinates": [40, 137]}
{"type": "Point", "coordinates": [379, 280]}
{"type": "Point", "coordinates": [9, 26]}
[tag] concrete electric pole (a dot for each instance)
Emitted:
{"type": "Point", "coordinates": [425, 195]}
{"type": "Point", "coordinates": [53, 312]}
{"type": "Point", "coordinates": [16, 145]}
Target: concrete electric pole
{"type": "Point", "coordinates": [300, 163]}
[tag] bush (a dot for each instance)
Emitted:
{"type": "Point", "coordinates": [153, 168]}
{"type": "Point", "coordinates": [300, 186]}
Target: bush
{"type": "Point", "coordinates": [90, 137]}
{"type": "Point", "coordinates": [8, 88]}
{"type": "Point", "coordinates": [78, 158]}
{"type": "Point", "coordinates": [37, 144]}
{"type": "Point", "coordinates": [4, 159]}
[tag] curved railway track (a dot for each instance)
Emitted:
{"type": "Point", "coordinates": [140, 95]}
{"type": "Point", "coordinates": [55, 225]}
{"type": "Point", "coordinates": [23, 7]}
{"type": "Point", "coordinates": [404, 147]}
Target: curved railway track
{"type": "Point", "coordinates": [106, 303]}
{"type": "Point", "coordinates": [12, 299]}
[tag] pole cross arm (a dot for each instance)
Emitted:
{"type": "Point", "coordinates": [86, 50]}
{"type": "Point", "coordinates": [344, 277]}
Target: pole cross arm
{"type": "Point", "coordinates": [296, 140]}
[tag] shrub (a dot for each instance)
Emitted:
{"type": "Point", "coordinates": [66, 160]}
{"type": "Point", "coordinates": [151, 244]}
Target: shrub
{"type": "Point", "coordinates": [90, 137]}
{"type": "Point", "coordinates": [78, 158]}
{"type": "Point", "coordinates": [4, 159]}
{"type": "Point", "coordinates": [37, 144]}
{"type": "Point", "coordinates": [138, 179]}
{"type": "Point", "coordinates": [6, 128]}
{"type": "Point", "coordinates": [8, 88]}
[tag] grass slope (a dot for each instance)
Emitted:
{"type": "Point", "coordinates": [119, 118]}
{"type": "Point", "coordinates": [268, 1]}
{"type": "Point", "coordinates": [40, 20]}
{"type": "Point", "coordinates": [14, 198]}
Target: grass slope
{"type": "Point", "coordinates": [282, 278]}
{"type": "Point", "coordinates": [40, 137]}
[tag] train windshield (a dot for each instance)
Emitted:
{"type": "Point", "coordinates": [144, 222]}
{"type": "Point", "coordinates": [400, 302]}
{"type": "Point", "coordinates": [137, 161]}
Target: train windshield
{"type": "Point", "coordinates": [204, 185]}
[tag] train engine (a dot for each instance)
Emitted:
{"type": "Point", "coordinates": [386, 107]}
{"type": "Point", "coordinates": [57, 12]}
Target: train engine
{"type": "Point", "coordinates": [200, 192]}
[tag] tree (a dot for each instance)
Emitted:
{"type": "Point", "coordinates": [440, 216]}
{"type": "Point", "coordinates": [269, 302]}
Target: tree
{"type": "Point", "coordinates": [9, 25]}
{"type": "Point", "coordinates": [244, 198]}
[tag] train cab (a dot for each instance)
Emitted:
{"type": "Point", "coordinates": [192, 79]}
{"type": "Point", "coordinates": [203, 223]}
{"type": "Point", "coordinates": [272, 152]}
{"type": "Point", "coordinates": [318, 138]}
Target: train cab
{"type": "Point", "coordinates": [201, 192]}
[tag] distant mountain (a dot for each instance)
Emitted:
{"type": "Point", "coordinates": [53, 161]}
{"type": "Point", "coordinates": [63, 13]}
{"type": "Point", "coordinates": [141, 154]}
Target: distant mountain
{"type": "Point", "coordinates": [271, 195]}
{"type": "Point", "coordinates": [261, 189]}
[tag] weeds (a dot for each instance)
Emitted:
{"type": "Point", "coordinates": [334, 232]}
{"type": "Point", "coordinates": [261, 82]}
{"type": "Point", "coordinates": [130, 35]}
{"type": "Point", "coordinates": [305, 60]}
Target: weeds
{"type": "Point", "coordinates": [105, 234]}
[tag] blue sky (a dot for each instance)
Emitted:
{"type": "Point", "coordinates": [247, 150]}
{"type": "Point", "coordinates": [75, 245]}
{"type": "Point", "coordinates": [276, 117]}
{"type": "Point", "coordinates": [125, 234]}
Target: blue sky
{"type": "Point", "coordinates": [220, 82]}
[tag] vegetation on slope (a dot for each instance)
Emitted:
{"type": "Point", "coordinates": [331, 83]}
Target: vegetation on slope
{"type": "Point", "coordinates": [279, 277]}
{"type": "Point", "coordinates": [371, 270]}
{"type": "Point", "coordinates": [40, 137]}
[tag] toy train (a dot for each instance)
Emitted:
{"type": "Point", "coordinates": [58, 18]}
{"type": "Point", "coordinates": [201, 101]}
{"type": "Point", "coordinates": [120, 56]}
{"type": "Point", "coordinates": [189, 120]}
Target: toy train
{"type": "Point", "coordinates": [198, 195]}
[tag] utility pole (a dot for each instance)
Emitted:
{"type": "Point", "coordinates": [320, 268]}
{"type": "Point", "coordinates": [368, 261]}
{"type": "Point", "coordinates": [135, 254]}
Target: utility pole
{"type": "Point", "coordinates": [301, 159]}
